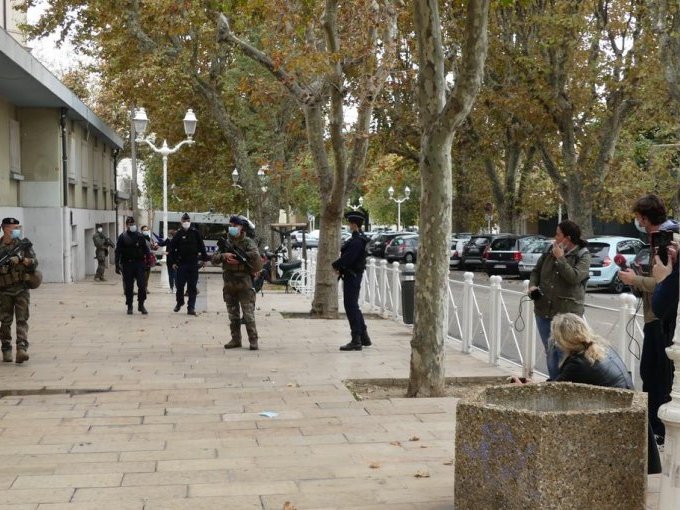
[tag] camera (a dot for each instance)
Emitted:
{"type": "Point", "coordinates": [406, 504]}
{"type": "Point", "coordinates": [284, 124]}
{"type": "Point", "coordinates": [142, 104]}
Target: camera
{"type": "Point", "coordinates": [536, 294]}
{"type": "Point", "coordinates": [660, 241]}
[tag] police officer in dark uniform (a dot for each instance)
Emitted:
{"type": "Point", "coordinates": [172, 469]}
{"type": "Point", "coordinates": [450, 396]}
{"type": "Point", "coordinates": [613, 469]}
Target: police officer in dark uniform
{"type": "Point", "coordinates": [131, 249]}
{"type": "Point", "coordinates": [185, 248]}
{"type": "Point", "coordinates": [350, 267]}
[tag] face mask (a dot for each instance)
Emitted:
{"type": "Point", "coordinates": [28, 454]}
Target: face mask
{"type": "Point", "coordinates": [100, 230]}
{"type": "Point", "coordinates": [146, 233]}
{"type": "Point", "coordinates": [233, 231]}
{"type": "Point", "coordinates": [640, 227]}
{"type": "Point", "coordinates": [133, 228]}
{"type": "Point", "coordinates": [186, 225]}
{"type": "Point", "coordinates": [16, 234]}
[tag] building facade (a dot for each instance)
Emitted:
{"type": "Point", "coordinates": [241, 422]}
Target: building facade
{"type": "Point", "coordinates": [57, 165]}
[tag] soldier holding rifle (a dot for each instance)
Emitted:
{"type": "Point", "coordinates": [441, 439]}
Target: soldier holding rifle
{"type": "Point", "coordinates": [240, 260]}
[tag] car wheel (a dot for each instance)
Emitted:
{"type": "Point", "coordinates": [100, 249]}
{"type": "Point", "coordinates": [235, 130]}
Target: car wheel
{"type": "Point", "coordinates": [617, 286]}
{"type": "Point", "coordinates": [408, 258]}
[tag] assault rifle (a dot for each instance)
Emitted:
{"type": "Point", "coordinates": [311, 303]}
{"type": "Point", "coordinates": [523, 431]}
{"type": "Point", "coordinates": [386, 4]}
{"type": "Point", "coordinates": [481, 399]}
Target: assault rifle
{"type": "Point", "coordinates": [224, 245]}
{"type": "Point", "coordinates": [24, 244]}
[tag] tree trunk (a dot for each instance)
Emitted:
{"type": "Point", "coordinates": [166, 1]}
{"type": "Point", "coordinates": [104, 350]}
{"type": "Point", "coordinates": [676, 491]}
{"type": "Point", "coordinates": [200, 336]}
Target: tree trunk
{"type": "Point", "coordinates": [430, 326]}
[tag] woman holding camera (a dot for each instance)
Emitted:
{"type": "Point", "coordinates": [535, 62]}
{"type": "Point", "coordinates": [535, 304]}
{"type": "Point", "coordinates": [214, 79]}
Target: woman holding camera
{"type": "Point", "coordinates": [558, 285]}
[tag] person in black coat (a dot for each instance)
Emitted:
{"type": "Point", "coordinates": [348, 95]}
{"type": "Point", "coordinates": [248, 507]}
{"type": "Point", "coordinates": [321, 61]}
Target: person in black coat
{"type": "Point", "coordinates": [187, 251]}
{"type": "Point", "coordinates": [131, 250]}
{"type": "Point", "coordinates": [588, 360]}
{"type": "Point", "coordinates": [350, 267]}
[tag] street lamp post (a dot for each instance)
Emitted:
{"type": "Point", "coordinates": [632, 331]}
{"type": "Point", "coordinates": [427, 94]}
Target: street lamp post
{"type": "Point", "coordinates": [407, 194]}
{"type": "Point", "coordinates": [355, 207]}
{"type": "Point", "coordinates": [140, 121]}
{"type": "Point", "coordinates": [261, 176]}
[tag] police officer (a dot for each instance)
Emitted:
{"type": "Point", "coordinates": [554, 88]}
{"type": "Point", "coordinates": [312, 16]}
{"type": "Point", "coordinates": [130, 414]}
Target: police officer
{"type": "Point", "coordinates": [350, 267]}
{"type": "Point", "coordinates": [238, 275]}
{"type": "Point", "coordinates": [131, 250]}
{"type": "Point", "coordinates": [14, 296]}
{"type": "Point", "coordinates": [101, 245]}
{"type": "Point", "coordinates": [185, 249]}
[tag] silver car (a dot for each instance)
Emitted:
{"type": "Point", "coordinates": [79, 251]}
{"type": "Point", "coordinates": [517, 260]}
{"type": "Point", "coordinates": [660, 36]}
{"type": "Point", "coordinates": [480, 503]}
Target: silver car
{"type": "Point", "coordinates": [530, 256]}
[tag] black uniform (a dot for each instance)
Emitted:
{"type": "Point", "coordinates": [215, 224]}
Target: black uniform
{"type": "Point", "coordinates": [184, 253]}
{"type": "Point", "coordinates": [351, 265]}
{"type": "Point", "coordinates": [131, 249]}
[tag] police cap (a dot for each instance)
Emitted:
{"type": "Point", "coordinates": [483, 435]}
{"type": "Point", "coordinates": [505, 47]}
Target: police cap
{"type": "Point", "coordinates": [356, 217]}
{"type": "Point", "coordinates": [186, 217]}
{"type": "Point", "coordinates": [10, 221]}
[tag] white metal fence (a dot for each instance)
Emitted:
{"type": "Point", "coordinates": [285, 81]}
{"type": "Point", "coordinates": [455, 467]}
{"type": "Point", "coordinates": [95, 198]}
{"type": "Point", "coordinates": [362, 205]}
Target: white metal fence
{"type": "Point", "coordinates": [487, 318]}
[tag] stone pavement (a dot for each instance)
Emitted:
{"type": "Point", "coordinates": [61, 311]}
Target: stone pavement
{"type": "Point", "coordinates": [182, 427]}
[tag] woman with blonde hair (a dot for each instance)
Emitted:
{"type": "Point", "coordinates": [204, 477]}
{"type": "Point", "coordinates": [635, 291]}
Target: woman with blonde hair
{"type": "Point", "coordinates": [589, 360]}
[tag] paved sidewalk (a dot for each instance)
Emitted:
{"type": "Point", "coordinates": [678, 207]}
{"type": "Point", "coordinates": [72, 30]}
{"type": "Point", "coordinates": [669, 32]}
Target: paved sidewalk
{"type": "Point", "coordinates": [182, 429]}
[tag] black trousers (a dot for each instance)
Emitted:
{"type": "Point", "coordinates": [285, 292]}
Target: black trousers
{"type": "Point", "coordinates": [187, 274]}
{"type": "Point", "coordinates": [350, 292]}
{"type": "Point", "coordinates": [134, 271]}
{"type": "Point", "coordinates": [656, 371]}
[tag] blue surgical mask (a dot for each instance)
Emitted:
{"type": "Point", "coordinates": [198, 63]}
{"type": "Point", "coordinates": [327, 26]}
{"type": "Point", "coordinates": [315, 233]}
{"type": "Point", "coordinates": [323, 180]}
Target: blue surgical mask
{"type": "Point", "coordinates": [146, 233]}
{"type": "Point", "coordinates": [233, 231]}
{"type": "Point", "coordinates": [133, 228]}
{"type": "Point", "coordinates": [16, 234]}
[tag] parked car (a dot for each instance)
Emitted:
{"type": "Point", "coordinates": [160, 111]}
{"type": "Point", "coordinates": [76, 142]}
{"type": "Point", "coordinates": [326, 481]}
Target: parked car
{"type": "Point", "coordinates": [403, 248]}
{"type": "Point", "coordinates": [604, 273]}
{"type": "Point", "coordinates": [457, 246]}
{"type": "Point", "coordinates": [473, 252]}
{"type": "Point", "coordinates": [531, 255]}
{"type": "Point", "coordinates": [504, 253]}
{"type": "Point", "coordinates": [376, 247]}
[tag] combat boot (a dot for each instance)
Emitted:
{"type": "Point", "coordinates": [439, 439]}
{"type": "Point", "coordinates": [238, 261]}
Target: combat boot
{"type": "Point", "coordinates": [129, 311]}
{"type": "Point", "coordinates": [141, 309]}
{"type": "Point", "coordinates": [354, 345]}
{"type": "Point", "coordinates": [253, 344]}
{"type": "Point", "coordinates": [235, 342]}
{"type": "Point", "coordinates": [102, 279]}
{"type": "Point", "coordinates": [22, 355]}
{"type": "Point", "coordinates": [365, 339]}
{"type": "Point", "coordinates": [7, 356]}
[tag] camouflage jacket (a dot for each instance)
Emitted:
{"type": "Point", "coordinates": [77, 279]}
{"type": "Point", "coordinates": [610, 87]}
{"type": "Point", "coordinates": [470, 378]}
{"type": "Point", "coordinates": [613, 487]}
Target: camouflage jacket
{"type": "Point", "coordinates": [101, 243]}
{"type": "Point", "coordinates": [12, 275]}
{"type": "Point", "coordinates": [246, 246]}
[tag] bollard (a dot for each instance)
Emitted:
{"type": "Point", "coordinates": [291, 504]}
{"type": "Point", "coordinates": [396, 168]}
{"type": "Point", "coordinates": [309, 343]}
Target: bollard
{"type": "Point", "coordinates": [408, 293]}
{"type": "Point", "coordinates": [202, 297]}
{"type": "Point", "coordinates": [370, 280]}
{"type": "Point", "coordinates": [626, 315]}
{"type": "Point", "coordinates": [382, 278]}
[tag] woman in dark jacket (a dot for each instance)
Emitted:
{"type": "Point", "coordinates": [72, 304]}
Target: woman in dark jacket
{"type": "Point", "coordinates": [588, 360]}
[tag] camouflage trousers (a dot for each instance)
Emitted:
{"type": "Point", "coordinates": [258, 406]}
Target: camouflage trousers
{"type": "Point", "coordinates": [240, 298]}
{"type": "Point", "coordinates": [101, 265]}
{"type": "Point", "coordinates": [14, 305]}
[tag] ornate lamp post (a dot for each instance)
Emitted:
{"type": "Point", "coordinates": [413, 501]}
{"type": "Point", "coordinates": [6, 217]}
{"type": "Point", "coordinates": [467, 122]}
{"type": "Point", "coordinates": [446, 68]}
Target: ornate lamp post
{"type": "Point", "coordinates": [140, 121]}
{"type": "Point", "coordinates": [261, 176]}
{"type": "Point", "coordinates": [407, 194]}
{"type": "Point", "coordinates": [355, 207]}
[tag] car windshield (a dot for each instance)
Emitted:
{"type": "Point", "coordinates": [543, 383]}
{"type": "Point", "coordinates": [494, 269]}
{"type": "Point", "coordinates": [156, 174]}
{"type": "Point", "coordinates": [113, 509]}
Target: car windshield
{"type": "Point", "coordinates": [479, 241]}
{"type": "Point", "coordinates": [503, 244]}
{"type": "Point", "coordinates": [538, 246]}
{"type": "Point", "coordinates": [598, 250]}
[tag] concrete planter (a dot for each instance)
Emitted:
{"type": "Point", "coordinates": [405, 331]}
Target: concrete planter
{"type": "Point", "coordinates": [551, 446]}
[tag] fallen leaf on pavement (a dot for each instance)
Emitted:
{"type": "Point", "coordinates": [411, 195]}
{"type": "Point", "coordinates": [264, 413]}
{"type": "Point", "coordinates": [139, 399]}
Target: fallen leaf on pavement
{"type": "Point", "coordinates": [288, 506]}
{"type": "Point", "coordinates": [395, 443]}
{"type": "Point", "coordinates": [414, 438]}
{"type": "Point", "coordinates": [374, 465]}
{"type": "Point", "coordinates": [421, 473]}
{"type": "Point", "coordinates": [449, 463]}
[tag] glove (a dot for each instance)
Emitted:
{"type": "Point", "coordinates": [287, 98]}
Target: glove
{"type": "Point", "coordinates": [117, 269]}
{"type": "Point", "coordinates": [201, 264]}
{"type": "Point", "coordinates": [15, 260]}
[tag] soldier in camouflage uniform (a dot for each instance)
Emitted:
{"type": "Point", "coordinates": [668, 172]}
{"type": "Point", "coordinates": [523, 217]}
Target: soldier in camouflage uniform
{"type": "Point", "coordinates": [14, 296]}
{"type": "Point", "coordinates": [238, 289]}
{"type": "Point", "coordinates": [101, 246]}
